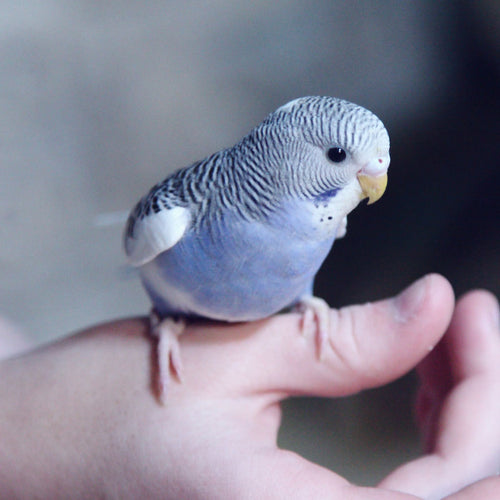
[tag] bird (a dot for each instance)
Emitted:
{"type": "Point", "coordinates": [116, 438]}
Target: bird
{"type": "Point", "coordinates": [241, 234]}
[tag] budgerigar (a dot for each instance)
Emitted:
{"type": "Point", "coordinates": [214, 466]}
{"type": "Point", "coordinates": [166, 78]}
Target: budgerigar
{"type": "Point", "coordinates": [240, 235]}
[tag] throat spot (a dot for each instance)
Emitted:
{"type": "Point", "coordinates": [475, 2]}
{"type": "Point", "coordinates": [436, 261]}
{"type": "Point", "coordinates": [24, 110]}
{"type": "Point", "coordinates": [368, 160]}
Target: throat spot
{"type": "Point", "coordinates": [324, 217]}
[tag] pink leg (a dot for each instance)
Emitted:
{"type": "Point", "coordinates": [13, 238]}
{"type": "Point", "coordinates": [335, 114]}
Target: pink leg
{"type": "Point", "coordinates": [316, 317]}
{"type": "Point", "coordinates": [168, 331]}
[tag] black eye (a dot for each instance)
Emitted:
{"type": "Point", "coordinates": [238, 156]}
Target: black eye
{"type": "Point", "coordinates": [336, 155]}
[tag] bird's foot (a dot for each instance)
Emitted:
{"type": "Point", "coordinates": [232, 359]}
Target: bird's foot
{"type": "Point", "coordinates": [315, 318]}
{"type": "Point", "coordinates": [167, 331]}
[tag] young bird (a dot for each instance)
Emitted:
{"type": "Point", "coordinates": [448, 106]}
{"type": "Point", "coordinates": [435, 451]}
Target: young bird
{"type": "Point", "coordinates": [240, 235]}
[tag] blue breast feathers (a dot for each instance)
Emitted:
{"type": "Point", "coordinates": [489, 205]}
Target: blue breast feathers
{"type": "Point", "coordinates": [236, 270]}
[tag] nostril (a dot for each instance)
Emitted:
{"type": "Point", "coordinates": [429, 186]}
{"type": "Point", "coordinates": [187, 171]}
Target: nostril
{"type": "Point", "coordinates": [376, 165]}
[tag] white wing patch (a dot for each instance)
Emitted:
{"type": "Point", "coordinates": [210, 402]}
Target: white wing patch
{"type": "Point", "coordinates": [155, 234]}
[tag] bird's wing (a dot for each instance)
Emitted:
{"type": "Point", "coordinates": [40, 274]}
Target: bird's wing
{"type": "Point", "coordinates": [155, 225]}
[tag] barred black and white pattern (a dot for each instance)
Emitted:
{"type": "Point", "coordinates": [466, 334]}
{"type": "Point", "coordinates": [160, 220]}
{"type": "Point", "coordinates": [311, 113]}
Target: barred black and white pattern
{"type": "Point", "coordinates": [317, 118]}
{"type": "Point", "coordinates": [251, 177]}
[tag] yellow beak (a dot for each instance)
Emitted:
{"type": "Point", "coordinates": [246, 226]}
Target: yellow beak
{"type": "Point", "coordinates": [372, 187]}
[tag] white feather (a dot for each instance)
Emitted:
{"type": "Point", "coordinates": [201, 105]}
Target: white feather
{"type": "Point", "coordinates": [290, 105]}
{"type": "Point", "coordinates": [155, 234]}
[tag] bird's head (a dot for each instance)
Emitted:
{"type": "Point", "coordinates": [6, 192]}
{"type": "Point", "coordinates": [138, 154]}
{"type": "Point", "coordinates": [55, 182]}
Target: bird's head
{"type": "Point", "coordinates": [320, 146]}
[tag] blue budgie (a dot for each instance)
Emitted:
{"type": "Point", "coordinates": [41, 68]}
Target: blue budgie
{"type": "Point", "coordinates": [240, 235]}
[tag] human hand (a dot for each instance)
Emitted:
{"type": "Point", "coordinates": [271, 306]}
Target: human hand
{"type": "Point", "coordinates": [458, 407]}
{"type": "Point", "coordinates": [80, 417]}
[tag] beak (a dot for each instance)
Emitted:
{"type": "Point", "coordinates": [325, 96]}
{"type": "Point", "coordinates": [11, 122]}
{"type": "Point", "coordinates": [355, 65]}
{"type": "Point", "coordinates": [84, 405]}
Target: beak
{"type": "Point", "coordinates": [372, 187]}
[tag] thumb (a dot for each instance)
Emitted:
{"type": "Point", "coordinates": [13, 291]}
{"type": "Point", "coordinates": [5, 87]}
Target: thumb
{"type": "Point", "coordinates": [369, 345]}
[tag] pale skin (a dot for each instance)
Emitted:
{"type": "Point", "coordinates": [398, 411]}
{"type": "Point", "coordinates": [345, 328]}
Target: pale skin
{"type": "Point", "coordinates": [78, 418]}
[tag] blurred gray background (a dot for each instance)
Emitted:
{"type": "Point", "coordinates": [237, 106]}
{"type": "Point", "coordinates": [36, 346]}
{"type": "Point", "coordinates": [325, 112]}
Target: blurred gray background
{"type": "Point", "coordinates": [100, 100]}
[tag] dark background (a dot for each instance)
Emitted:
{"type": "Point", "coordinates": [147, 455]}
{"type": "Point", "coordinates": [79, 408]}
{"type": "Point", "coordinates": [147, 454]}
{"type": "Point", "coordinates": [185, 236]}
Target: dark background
{"type": "Point", "coordinates": [99, 102]}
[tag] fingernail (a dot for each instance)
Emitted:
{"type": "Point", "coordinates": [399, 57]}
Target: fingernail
{"type": "Point", "coordinates": [495, 316]}
{"type": "Point", "coordinates": [407, 304]}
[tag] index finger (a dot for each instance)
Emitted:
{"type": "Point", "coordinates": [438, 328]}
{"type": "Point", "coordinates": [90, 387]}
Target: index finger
{"type": "Point", "coordinates": [370, 345]}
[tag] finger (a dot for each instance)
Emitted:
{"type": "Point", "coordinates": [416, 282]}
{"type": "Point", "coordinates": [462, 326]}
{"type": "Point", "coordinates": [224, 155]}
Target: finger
{"type": "Point", "coordinates": [473, 342]}
{"type": "Point", "coordinates": [487, 489]}
{"type": "Point", "coordinates": [466, 432]}
{"type": "Point", "coordinates": [284, 474]}
{"type": "Point", "coordinates": [369, 345]}
{"type": "Point", "coordinates": [470, 348]}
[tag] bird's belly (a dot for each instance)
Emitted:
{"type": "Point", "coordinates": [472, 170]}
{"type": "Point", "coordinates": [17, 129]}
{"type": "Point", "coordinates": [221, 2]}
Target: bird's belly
{"type": "Point", "coordinates": [245, 276]}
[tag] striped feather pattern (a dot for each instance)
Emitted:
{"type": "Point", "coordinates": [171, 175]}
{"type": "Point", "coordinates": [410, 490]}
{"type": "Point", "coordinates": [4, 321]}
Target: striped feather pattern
{"type": "Point", "coordinates": [252, 177]}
